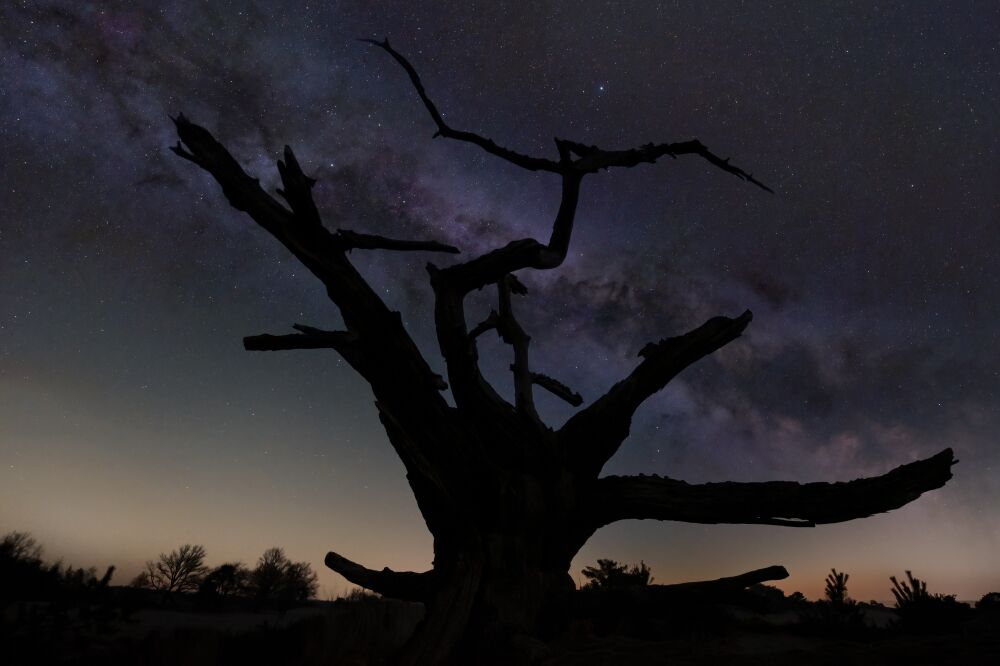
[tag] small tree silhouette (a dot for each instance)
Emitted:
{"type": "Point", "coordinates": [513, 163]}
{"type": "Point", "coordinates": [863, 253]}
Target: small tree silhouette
{"type": "Point", "coordinates": [276, 578]}
{"type": "Point", "coordinates": [226, 580]}
{"type": "Point", "coordinates": [20, 546]}
{"type": "Point", "coordinates": [181, 570]}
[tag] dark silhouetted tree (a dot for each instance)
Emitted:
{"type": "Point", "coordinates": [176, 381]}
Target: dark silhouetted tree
{"type": "Point", "coordinates": [20, 546]}
{"type": "Point", "coordinates": [180, 570]}
{"type": "Point", "coordinates": [508, 500]}
{"type": "Point", "coordinates": [990, 603]}
{"type": "Point", "coordinates": [609, 574]}
{"type": "Point", "coordinates": [276, 578]}
{"type": "Point", "coordinates": [24, 575]}
{"type": "Point", "coordinates": [227, 580]}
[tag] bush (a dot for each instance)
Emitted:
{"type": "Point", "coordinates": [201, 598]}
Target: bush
{"type": "Point", "coordinates": [925, 612]}
{"type": "Point", "coordinates": [990, 603]}
{"type": "Point", "coordinates": [610, 575]}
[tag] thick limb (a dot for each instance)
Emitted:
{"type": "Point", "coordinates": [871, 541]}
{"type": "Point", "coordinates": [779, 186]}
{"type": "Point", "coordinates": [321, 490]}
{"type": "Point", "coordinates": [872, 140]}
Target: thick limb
{"type": "Point", "coordinates": [375, 344]}
{"type": "Point", "coordinates": [784, 503]}
{"type": "Point", "coordinates": [407, 585]}
{"type": "Point", "coordinates": [593, 435]}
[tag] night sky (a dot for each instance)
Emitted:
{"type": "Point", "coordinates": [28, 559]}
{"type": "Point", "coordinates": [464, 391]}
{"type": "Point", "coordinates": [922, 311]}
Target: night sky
{"type": "Point", "coordinates": [132, 420]}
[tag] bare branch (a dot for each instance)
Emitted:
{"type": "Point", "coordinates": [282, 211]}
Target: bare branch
{"type": "Point", "coordinates": [384, 354]}
{"type": "Point", "coordinates": [453, 283]}
{"type": "Point", "coordinates": [308, 338]}
{"type": "Point", "coordinates": [783, 503]}
{"type": "Point", "coordinates": [407, 585]}
{"type": "Point", "coordinates": [443, 129]}
{"type": "Point", "coordinates": [298, 189]}
{"type": "Point", "coordinates": [512, 333]}
{"type": "Point", "coordinates": [557, 388]}
{"type": "Point", "coordinates": [525, 253]}
{"type": "Point", "coordinates": [593, 159]}
{"type": "Point", "coordinates": [351, 240]}
{"type": "Point", "coordinates": [604, 425]}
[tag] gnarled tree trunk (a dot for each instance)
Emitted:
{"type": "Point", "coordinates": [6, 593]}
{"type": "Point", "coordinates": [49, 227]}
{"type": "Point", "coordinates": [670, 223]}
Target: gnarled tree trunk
{"type": "Point", "coordinates": [508, 500]}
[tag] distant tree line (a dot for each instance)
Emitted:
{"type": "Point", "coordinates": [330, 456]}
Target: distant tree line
{"type": "Point", "coordinates": [273, 578]}
{"type": "Point", "coordinates": [24, 575]}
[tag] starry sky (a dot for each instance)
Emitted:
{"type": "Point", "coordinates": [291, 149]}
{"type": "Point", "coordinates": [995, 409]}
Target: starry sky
{"type": "Point", "coordinates": [132, 421]}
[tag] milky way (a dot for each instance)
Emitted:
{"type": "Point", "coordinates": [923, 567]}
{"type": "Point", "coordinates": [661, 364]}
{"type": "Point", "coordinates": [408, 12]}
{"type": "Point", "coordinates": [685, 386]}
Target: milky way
{"type": "Point", "coordinates": [131, 420]}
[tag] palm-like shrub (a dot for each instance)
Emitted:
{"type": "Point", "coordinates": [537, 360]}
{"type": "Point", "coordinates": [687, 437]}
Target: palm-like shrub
{"type": "Point", "coordinates": [923, 611]}
{"type": "Point", "coordinates": [836, 588]}
{"type": "Point", "coordinates": [909, 593]}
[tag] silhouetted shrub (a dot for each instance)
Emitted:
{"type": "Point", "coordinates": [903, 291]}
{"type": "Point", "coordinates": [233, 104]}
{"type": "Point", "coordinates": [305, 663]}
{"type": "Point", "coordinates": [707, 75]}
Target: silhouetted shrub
{"type": "Point", "coordinates": [359, 594]}
{"type": "Point", "coordinates": [909, 593]}
{"type": "Point", "coordinates": [836, 588]}
{"type": "Point", "coordinates": [609, 575]}
{"type": "Point", "coordinates": [990, 603]}
{"type": "Point", "coordinates": [797, 597]}
{"type": "Point", "coordinates": [925, 612]}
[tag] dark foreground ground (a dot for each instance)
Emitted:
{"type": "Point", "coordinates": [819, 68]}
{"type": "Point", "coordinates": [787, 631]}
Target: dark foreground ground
{"type": "Point", "coordinates": [128, 627]}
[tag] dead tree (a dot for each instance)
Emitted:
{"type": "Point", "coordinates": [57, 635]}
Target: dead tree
{"type": "Point", "coordinates": [508, 500]}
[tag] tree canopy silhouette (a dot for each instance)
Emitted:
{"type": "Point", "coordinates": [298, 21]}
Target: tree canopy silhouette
{"type": "Point", "coordinates": [180, 570]}
{"type": "Point", "coordinates": [508, 500]}
{"type": "Point", "coordinates": [277, 578]}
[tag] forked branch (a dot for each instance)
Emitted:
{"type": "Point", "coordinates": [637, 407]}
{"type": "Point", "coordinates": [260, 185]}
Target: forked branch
{"type": "Point", "coordinates": [590, 158]}
{"type": "Point", "coordinates": [443, 129]}
{"type": "Point", "coordinates": [376, 344]}
{"type": "Point", "coordinates": [453, 283]}
{"type": "Point", "coordinates": [593, 159]}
